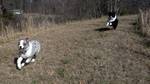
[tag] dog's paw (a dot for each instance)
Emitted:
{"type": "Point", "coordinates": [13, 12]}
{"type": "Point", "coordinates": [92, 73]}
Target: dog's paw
{"type": "Point", "coordinates": [33, 60]}
{"type": "Point", "coordinates": [18, 68]}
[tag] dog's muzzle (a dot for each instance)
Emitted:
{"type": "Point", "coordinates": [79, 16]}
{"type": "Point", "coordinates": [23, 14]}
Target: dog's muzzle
{"type": "Point", "coordinates": [21, 47]}
{"type": "Point", "coordinates": [22, 50]}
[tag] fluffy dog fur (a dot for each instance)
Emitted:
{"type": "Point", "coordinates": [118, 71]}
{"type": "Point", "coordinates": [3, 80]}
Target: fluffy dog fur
{"type": "Point", "coordinates": [28, 51]}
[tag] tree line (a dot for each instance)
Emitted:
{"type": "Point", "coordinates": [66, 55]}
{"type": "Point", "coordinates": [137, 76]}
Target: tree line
{"type": "Point", "coordinates": [80, 8]}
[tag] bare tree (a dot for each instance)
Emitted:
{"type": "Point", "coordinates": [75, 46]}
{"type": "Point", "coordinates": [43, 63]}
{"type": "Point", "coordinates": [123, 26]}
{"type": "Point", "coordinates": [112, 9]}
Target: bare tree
{"type": "Point", "coordinates": [113, 5]}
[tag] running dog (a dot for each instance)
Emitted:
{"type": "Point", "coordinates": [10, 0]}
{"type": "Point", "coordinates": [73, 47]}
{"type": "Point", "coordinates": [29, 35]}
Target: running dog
{"type": "Point", "coordinates": [28, 50]}
{"type": "Point", "coordinates": [112, 20]}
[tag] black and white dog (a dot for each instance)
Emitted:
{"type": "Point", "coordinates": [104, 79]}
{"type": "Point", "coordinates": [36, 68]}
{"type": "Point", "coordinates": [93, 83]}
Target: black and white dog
{"type": "Point", "coordinates": [28, 51]}
{"type": "Point", "coordinates": [112, 20]}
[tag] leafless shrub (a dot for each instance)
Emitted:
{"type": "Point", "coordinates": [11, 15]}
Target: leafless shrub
{"type": "Point", "coordinates": [144, 20]}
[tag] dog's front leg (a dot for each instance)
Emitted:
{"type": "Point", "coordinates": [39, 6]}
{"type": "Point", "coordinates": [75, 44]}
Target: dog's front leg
{"type": "Point", "coordinates": [28, 60]}
{"type": "Point", "coordinates": [19, 64]}
{"type": "Point", "coordinates": [107, 24]}
{"type": "Point", "coordinates": [110, 24]}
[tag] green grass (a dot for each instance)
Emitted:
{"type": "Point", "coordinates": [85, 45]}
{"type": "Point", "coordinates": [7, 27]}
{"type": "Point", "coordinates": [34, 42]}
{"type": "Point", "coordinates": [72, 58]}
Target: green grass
{"type": "Point", "coordinates": [34, 82]}
{"type": "Point", "coordinates": [65, 61]}
{"type": "Point", "coordinates": [61, 72]}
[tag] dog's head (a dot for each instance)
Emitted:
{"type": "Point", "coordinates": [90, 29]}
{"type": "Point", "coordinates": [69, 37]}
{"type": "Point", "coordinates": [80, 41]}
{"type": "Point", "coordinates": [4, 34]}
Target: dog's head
{"type": "Point", "coordinates": [23, 43]}
{"type": "Point", "coordinates": [111, 14]}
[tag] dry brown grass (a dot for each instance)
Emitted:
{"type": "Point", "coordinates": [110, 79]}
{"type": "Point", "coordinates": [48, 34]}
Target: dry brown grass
{"type": "Point", "coordinates": [80, 53]}
{"type": "Point", "coordinates": [28, 28]}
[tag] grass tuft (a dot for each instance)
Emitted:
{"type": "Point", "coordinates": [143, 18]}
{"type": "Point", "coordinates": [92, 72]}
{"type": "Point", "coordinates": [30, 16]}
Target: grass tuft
{"type": "Point", "coordinates": [65, 61]}
{"type": "Point", "coordinates": [61, 72]}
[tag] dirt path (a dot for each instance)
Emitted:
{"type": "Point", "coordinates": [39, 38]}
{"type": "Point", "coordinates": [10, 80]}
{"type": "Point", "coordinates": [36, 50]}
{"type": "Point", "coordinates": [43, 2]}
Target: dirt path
{"type": "Point", "coordinates": [82, 53]}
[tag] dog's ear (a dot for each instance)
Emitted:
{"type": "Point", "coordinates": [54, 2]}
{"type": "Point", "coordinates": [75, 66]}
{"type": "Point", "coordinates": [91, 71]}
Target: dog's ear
{"type": "Point", "coordinates": [109, 14]}
{"type": "Point", "coordinates": [27, 40]}
{"type": "Point", "coordinates": [18, 41]}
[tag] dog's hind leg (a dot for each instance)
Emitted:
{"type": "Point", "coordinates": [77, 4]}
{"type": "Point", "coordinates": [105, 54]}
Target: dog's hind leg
{"type": "Point", "coordinates": [115, 24]}
{"type": "Point", "coordinates": [33, 59]}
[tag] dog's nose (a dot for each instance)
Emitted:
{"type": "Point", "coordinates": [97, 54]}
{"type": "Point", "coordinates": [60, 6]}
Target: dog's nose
{"type": "Point", "coordinates": [20, 47]}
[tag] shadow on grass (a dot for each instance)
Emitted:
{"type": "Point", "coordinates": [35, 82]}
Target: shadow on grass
{"type": "Point", "coordinates": [102, 29]}
{"type": "Point", "coordinates": [15, 60]}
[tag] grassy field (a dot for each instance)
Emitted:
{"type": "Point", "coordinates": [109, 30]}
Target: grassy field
{"type": "Point", "coordinates": [82, 52]}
